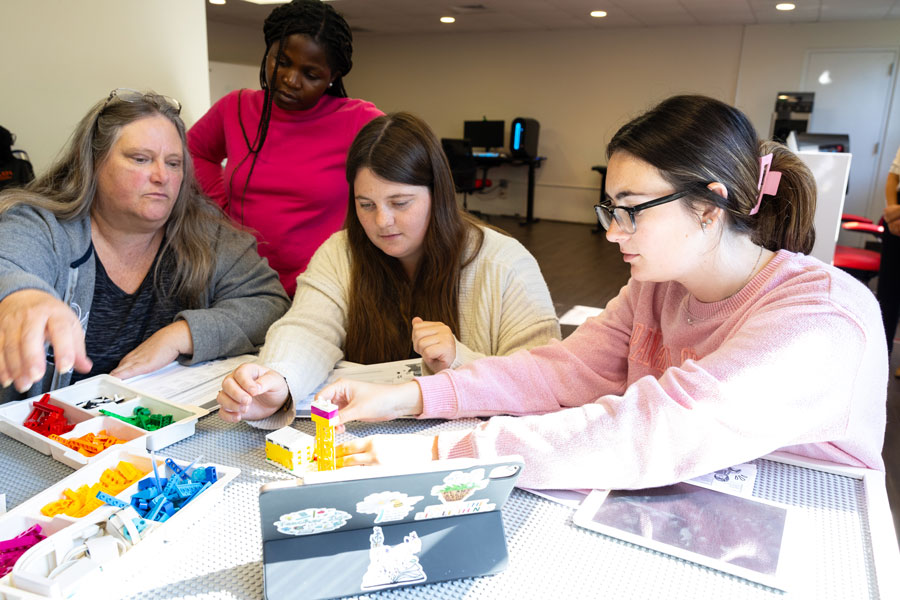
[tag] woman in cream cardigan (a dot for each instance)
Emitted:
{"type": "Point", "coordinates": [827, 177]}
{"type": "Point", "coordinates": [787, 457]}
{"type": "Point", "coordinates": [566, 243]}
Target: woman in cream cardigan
{"type": "Point", "coordinates": [411, 274]}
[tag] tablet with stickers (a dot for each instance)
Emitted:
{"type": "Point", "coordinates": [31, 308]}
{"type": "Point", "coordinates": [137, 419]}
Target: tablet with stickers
{"type": "Point", "coordinates": [363, 529]}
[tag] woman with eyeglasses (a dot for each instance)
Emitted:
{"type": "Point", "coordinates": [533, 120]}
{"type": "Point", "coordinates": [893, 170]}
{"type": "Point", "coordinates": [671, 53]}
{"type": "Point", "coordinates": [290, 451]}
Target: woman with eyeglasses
{"type": "Point", "coordinates": [285, 144]}
{"type": "Point", "coordinates": [727, 343]}
{"type": "Point", "coordinates": [410, 275]}
{"type": "Point", "coordinates": [113, 262]}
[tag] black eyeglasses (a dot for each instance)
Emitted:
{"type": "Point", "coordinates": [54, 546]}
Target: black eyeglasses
{"type": "Point", "coordinates": [624, 215]}
{"type": "Point", "coordinates": [130, 95]}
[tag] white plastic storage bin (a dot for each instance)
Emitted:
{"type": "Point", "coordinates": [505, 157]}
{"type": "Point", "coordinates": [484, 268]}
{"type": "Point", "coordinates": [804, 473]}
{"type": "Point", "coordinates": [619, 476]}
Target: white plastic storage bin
{"type": "Point", "coordinates": [184, 418]}
{"type": "Point", "coordinates": [60, 530]}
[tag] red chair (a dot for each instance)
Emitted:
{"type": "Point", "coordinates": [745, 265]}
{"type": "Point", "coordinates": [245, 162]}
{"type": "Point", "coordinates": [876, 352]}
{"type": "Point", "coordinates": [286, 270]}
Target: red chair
{"type": "Point", "coordinates": [859, 262]}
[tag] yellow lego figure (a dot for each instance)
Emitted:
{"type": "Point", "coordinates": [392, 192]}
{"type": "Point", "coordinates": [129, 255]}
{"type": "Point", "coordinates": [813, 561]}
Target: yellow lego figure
{"type": "Point", "coordinates": [325, 415]}
{"type": "Point", "coordinates": [290, 449]}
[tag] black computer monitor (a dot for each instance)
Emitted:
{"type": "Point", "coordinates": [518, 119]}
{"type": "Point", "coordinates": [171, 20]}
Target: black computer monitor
{"type": "Point", "coordinates": [484, 134]}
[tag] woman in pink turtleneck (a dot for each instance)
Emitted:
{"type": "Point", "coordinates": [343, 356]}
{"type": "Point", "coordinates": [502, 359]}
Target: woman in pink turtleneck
{"type": "Point", "coordinates": [286, 144]}
{"type": "Point", "coordinates": [726, 344]}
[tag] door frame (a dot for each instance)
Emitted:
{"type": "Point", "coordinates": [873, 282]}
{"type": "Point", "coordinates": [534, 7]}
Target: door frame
{"type": "Point", "coordinates": [875, 200]}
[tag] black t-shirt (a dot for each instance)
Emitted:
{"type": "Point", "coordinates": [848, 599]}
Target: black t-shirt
{"type": "Point", "coordinates": [119, 322]}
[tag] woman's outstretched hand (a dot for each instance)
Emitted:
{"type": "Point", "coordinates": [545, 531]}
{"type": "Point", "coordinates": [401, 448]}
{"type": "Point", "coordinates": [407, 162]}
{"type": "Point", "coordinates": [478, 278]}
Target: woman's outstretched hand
{"type": "Point", "coordinates": [29, 319]}
{"type": "Point", "coordinates": [361, 401]}
{"type": "Point", "coordinates": [405, 449]}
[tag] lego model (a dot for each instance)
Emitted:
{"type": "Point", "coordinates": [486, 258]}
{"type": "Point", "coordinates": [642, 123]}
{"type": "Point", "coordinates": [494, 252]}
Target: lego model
{"type": "Point", "coordinates": [325, 415]}
{"type": "Point", "coordinates": [291, 449]}
{"type": "Point", "coordinates": [299, 452]}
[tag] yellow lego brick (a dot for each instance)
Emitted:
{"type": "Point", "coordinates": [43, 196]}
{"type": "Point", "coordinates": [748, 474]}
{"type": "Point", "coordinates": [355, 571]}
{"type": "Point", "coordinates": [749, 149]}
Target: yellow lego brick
{"type": "Point", "coordinates": [279, 454]}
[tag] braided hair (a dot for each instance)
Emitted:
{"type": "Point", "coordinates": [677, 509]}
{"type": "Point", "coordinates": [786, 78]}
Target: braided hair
{"type": "Point", "coordinates": [325, 26]}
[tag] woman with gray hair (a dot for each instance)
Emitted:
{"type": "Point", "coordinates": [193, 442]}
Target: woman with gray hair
{"type": "Point", "coordinates": [115, 259]}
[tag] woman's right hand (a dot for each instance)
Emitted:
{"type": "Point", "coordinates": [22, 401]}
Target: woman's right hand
{"type": "Point", "coordinates": [251, 392]}
{"type": "Point", "coordinates": [892, 218]}
{"type": "Point", "coordinates": [28, 320]}
{"type": "Point", "coordinates": [363, 401]}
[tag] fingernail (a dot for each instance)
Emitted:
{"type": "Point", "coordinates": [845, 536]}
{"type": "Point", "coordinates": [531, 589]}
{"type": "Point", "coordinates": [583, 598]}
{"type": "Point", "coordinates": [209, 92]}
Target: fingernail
{"type": "Point", "coordinates": [7, 382]}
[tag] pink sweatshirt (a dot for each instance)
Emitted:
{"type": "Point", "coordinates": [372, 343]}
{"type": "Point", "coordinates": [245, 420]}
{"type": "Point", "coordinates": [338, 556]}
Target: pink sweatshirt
{"type": "Point", "coordinates": [297, 195]}
{"type": "Point", "coordinates": [660, 388]}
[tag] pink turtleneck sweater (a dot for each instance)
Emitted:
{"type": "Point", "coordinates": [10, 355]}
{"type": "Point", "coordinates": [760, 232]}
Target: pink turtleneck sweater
{"type": "Point", "coordinates": [297, 195]}
{"type": "Point", "coordinates": [660, 388]}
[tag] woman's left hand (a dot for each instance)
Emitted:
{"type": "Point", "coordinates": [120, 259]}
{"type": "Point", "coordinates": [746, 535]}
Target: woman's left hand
{"type": "Point", "coordinates": [435, 342]}
{"type": "Point", "coordinates": [157, 351]}
{"type": "Point", "coordinates": [388, 450]}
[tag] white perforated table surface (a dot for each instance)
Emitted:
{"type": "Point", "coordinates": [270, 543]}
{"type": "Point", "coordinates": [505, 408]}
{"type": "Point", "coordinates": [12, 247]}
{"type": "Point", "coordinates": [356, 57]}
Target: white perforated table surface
{"type": "Point", "coordinates": [550, 557]}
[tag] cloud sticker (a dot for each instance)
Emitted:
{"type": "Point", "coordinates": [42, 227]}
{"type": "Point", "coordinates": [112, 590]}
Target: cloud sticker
{"type": "Point", "coordinates": [312, 520]}
{"type": "Point", "coordinates": [388, 506]}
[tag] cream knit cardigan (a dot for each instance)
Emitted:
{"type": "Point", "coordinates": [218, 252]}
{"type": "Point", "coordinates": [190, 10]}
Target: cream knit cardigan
{"type": "Point", "coordinates": [504, 306]}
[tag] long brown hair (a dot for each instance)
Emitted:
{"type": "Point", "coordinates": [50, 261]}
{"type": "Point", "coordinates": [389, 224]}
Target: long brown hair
{"type": "Point", "coordinates": [402, 148]}
{"type": "Point", "coordinates": [68, 188]}
{"type": "Point", "coordinates": [695, 140]}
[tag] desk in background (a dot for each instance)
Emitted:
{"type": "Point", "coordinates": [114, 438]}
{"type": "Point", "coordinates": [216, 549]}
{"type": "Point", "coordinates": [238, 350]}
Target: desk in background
{"type": "Point", "coordinates": [486, 162]}
{"type": "Point", "coordinates": [220, 555]}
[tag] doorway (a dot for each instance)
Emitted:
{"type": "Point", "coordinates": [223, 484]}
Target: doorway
{"type": "Point", "coordinates": [852, 95]}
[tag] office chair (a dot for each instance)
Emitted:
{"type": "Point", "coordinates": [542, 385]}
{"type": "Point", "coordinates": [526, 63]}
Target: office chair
{"type": "Point", "coordinates": [462, 167]}
{"type": "Point", "coordinates": [862, 263]}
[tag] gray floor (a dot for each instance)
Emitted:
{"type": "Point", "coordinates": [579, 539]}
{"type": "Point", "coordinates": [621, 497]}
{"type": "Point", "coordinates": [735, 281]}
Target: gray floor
{"type": "Point", "coordinates": [581, 267]}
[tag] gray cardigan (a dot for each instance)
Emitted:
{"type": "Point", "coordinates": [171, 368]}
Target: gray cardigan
{"type": "Point", "coordinates": [37, 251]}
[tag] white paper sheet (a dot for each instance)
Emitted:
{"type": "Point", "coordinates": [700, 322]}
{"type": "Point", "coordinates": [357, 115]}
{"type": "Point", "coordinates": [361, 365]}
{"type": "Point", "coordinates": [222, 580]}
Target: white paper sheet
{"type": "Point", "coordinates": [196, 385]}
{"type": "Point", "coordinates": [579, 314]}
{"type": "Point", "coordinates": [736, 480]}
{"type": "Point", "coordinates": [570, 498]}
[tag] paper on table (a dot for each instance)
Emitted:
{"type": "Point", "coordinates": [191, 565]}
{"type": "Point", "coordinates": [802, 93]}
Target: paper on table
{"type": "Point", "coordinates": [398, 371]}
{"type": "Point", "coordinates": [579, 314]}
{"type": "Point", "coordinates": [195, 385]}
{"type": "Point", "coordinates": [570, 498]}
{"type": "Point", "coordinates": [737, 480]}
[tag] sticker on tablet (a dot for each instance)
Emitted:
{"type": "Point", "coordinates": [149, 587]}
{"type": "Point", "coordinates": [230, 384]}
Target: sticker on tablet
{"type": "Point", "coordinates": [453, 494]}
{"type": "Point", "coordinates": [390, 566]}
{"type": "Point", "coordinates": [389, 506]}
{"type": "Point", "coordinates": [459, 485]}
{"type": "Point", "coordinates": [312, 520]}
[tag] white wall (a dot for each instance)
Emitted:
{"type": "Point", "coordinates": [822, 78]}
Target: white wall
{"type": "Point", "coordinates": [774, 59]}
{"type": "Point", "coordinates": [60, 57]}
{"type": "Point", "coordinates": [225, 77]}
{"type": "Point", "coordinates": [583, 85]}
{"type": "Point", "coordinates": [580, 85]}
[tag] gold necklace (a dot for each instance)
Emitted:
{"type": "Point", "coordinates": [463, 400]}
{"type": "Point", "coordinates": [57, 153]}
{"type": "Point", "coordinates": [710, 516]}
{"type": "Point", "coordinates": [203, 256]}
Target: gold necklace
{"type": "Point", "coordinates": [691, 320]}
{"type": "Point", "coordinates": [749, 277]}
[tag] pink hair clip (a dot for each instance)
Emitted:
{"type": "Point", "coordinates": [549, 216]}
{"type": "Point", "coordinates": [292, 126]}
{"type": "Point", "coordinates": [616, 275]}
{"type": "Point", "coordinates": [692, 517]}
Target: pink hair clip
{"type": "Point", "coordinates": [768, 180]}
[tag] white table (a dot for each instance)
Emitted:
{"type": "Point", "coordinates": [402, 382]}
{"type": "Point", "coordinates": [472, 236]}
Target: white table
{"type": "Point", "coordinates": [852, 542]}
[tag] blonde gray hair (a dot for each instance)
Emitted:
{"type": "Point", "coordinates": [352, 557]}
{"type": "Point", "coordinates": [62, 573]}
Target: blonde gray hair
{"type": "Point", "coordinates": [69, 187]}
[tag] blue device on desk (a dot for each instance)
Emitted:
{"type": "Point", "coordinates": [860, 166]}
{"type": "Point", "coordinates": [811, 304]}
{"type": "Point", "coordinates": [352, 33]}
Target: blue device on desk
{"type": "Point", "coordinates": [523, 139]}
